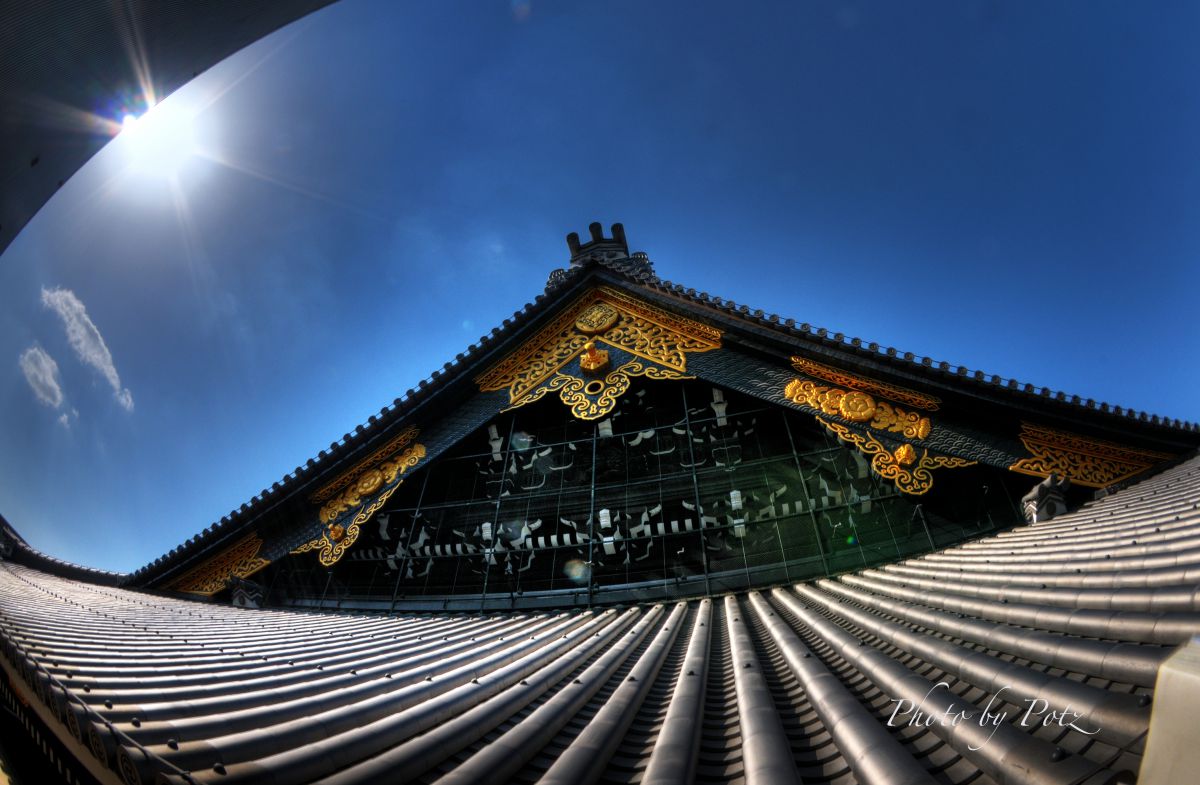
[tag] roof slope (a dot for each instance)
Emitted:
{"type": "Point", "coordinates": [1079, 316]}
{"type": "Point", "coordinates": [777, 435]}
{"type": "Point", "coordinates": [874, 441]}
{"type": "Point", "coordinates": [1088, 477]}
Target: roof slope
{"type": "Point", "coordinates": [1074, 615]}
{"type": "Point", "coordinates": [20, 551]}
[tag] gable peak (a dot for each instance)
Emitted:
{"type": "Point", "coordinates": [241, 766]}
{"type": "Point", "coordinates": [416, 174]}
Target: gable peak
{"type": "Point", "coordinates": [611, 252]}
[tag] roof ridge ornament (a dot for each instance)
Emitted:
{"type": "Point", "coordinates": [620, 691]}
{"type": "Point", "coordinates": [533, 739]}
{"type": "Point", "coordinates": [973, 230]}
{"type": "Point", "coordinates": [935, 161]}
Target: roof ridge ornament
{"type": "Point", "coordinates": [599, 247]}
{"type": "Point", "coordinates": [611, 252]}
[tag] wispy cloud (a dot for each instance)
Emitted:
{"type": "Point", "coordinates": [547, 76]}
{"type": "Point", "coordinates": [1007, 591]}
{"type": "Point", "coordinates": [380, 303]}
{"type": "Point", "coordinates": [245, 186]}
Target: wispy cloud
{"type": "Point", "coordinates": [86, 340]}
{"type": "Point", "coordinates": [42, 374]}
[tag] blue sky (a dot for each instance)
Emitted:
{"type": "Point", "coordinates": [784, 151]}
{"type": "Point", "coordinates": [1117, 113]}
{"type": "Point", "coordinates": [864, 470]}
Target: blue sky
{"type": "Point", "coordinates": [314, 225]}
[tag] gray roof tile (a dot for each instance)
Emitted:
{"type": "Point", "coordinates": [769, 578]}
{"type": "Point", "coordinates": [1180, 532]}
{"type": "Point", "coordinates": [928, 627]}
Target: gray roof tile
{"type": "Point", "coordinates": [797, 683]}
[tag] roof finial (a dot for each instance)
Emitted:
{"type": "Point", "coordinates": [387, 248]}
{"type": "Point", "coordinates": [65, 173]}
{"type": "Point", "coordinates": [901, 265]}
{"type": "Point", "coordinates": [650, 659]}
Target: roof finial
{"type": "Point", "coordinates": [599, 246]}
{"type": "Point", "coordinates": [612, 252]}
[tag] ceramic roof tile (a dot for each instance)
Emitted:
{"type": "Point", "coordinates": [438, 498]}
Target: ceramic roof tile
{"type": "Point", "coordinates": [796, 683]}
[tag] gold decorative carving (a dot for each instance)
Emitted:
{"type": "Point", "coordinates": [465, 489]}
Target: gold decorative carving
{"type": "Point", "coordinates": [859, 407]}
{"type": "Point", "coordinates": [593, 359]}
{"type": "Point", "coordinates": [591, 400]}
{"type": "Point", "coordinates": [881, 389]}
{"type": "Point", "coordinates": [240, 561]}
{"type": "Point", "coordinates": [392, 447]}
{"type": "Point", "coordinates": [382, 480]}
{"type": "Point", "coordinates": [659, 338]}
{"type": "Point", "coordinates": [892, 465]}
{"type": "Point", "coordinates": [371, 478]}
{"type": "Point", "coordinates": [1089, 462]}
{"type": "Point", "coordinates": [597, 318]}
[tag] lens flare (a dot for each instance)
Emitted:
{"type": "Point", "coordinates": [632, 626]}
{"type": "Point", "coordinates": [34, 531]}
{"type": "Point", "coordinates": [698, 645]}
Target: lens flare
{"type": "Point", "coordinates": [576, 570]}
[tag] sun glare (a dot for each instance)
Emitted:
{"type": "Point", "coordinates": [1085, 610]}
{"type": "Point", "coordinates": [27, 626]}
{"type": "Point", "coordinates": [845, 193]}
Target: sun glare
{"type": "Point", "coordinates": [160, 141]}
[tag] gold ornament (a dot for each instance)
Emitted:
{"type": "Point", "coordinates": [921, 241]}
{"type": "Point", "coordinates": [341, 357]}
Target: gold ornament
{"type": "Point", "coordinates": [1089, 462]}
{"type": "Point", "coordinates": [370, 480]}
{"type": "Point", "coordinates": [627, 323]}
{"type": "Point", "coordinates": [881, 389]}
{"type": "Point", "coordinates": [373, 485]}
{"type": "Point", "coordinates": [240, 561]}
{"type": "Point", "coordinates": [891, 466]}
{"type": "Point", "coordinates": [597, 318]}
{"type": "Point", "coordinates": [858, 407]}
{"type": "Point", "coordinates": [593, 359]}
{"type": "Point", "coordinates": [392, 447]}
{"type": "Point", "coordinates": [595, 399]}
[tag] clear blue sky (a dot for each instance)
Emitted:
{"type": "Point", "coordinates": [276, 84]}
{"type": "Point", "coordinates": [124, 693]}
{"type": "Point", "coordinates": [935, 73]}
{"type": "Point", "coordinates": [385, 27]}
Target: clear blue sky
{"type": "Point", "coordinates": [347, 204]}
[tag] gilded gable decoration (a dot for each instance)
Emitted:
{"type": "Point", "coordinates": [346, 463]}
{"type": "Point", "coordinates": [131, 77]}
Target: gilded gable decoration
{"type": "Point", "coordinates": [394, 445]}
{"type": "Point", "coordinates": [881, 389]}
{"type": "Point", "coordinates": [1085, 461]}
{"type": "Point", "coordinates": [911, 475]}
{"type": "Point", "coordinates": [349, 501]}
{"type": "Point", "coordinates": [240, 561]}
{"type": "Point", "coordinates": [858, 407]}
{"type": "Point", "coordinates": [566, 356]}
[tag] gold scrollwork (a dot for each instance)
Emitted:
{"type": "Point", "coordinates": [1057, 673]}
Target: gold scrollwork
{"type": "Point", "coordinates": [881, 389]}
{"type": "Point", "coordinates": [1089, 462]}
{"type": "Point", "coordinates": [240, 561]}
{"type": "Point", "coordinates": [373, 486]}
{"type": "Point", "coordinates": [622, 321]}
{"type": "Point", "coordinates": [857, 406]}
{"type": "Point", "coordinates": [391, 448]}
{"type": "Point", "coordinates": [892, 465]}
{"type": "Point", "coordinates": [369, 480]}
{"type": "Point", "coordinates": [591, 400]}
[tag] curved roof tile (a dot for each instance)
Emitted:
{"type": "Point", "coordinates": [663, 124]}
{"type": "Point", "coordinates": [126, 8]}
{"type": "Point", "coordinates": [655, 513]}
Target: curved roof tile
{"type": "Point", "coordinates": [802, 682]}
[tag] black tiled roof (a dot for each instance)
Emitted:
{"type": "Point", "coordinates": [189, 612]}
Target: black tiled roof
{"type": "Point", "coordinates": [28, 555]}
{"type": "Point", "coordinates": [800, 682]}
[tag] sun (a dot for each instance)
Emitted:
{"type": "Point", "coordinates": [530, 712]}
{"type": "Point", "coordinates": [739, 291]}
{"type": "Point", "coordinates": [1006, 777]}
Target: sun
{"type": "Point", "coordinates": [161, 141]}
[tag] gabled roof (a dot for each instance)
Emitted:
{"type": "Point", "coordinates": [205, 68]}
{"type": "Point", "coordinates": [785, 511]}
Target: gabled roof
{"type": "Point", "coordinates": [607, 261]}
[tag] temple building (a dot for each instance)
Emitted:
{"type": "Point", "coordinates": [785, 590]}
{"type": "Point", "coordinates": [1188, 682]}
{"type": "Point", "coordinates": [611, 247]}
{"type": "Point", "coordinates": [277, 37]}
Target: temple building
{"type": "Point", "coordinates": [642, 534]}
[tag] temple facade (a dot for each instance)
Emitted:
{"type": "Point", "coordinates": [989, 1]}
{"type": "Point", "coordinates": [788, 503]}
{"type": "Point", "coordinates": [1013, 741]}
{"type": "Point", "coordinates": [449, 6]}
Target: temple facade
{"type": "Point", "coordinates": [640, 533]}
{"type": "Point", "coordinates": [623, 438]}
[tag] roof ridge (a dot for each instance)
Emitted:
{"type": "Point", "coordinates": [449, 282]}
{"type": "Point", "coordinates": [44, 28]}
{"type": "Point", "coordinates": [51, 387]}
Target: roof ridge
{"type": "Point", "coordinates": [995, 381]}
{"type": "Point", "coordinates": [11, 538]}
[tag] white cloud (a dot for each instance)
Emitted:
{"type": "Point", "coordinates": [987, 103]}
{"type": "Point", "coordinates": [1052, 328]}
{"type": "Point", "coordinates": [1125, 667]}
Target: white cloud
{"type": "Point", "coordinates": [42, 374]}
{"type": "Point", "coordinates": [64, 420]}
{"type": "Point", "coordinates": [86, 340]}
